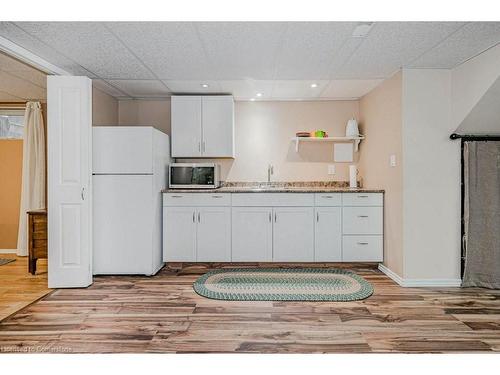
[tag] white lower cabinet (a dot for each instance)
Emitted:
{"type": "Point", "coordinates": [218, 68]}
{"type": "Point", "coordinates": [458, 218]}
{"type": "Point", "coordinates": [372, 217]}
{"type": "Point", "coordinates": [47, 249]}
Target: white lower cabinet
{"type": "Point", "coordinates": [252, 238]}
{"type": "Point", "coordinates": [273, 227]}
{"type": "Point", "coordinates": [293, 234]}
{"type": "Point", "coordinates": [179, 234]}
{"type": "Point", "coordinates": [328, 234]}
{"type": "Point", "coordinates": [213, 234]}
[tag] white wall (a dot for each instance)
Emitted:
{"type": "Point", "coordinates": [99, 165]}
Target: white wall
{"type": "Point", "coordinates": [471, 80]}
{"type": "Point", "coordinates": [431, 177]}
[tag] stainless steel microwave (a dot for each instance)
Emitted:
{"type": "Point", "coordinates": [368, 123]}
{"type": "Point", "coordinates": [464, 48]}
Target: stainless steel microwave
{"type": "Point", "coordinates": [194, 176]}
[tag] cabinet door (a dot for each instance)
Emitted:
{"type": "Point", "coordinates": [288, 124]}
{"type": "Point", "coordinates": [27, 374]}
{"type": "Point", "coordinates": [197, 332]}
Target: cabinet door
{"type": "Point", "coordinates": [186, 126]}
{"type": "Point", "coordinates": [218, 126]}
{"type": "Point", "coordinates": [328, 234]}
{"type": "Point", "coordinates": [179, 234]}
{"type": "Point", "coordinates": [252, 234]}
{"type": "Point", "coordinates": [214, 234]}
{"type": "Point", "coordinates": [293, 234]}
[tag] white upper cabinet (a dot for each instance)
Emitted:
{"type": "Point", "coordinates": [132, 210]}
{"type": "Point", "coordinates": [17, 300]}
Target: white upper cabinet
{"type": "Point", "coordinates": [217, 114]}
{"type": "Point", "coordinates": [186, 126]}
{"type": "Point", "coordinates": [203, 126]}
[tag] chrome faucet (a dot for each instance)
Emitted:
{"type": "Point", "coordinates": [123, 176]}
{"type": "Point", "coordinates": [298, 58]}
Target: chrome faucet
{"type": "Point", "coordinates": [270, 171]}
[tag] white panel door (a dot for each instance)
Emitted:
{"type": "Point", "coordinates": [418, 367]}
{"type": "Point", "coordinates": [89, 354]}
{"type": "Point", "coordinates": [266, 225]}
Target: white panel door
{"type": "Point", "coordinates": [213, 234]}
{"type": "Point", "coordinates": [293, 234]}
{"type": "Point", "coordinates": [123, 224]}
{"type": "Point", "coordinates": [179, 234]}
{"type": "Point", "coordinates": [186, 126]}
{"type": "Point", "coordinates": [328, 234]}
{"type": "Point", "coordinates": [218, 126]}
{"type": "Point", "coordinates": [69, 134]}
{"type": "Point", "coordinates": [252, 234]}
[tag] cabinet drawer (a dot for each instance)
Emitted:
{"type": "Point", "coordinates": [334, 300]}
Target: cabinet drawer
{"type": "Point", "coordinates": [273, 200]}
{"type": "Point", "coordinates": [362, 249]}
{"type": "Point", "coordinates": [362, 220]}
{"type": "Point", "coordinates": [328, 199]}
{"type": "Point", "coordinates": [196, 199]}
{"type": "Point", "coordinates": [363, 199]}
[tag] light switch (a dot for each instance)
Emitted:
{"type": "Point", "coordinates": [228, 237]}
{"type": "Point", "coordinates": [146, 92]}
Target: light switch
{"type": "Point", "coordinates": [331, 169]}
{"type": "Point", "coordinates": [392, 160]}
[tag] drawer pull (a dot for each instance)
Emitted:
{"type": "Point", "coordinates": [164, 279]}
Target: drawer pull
{"type": "Point", "coordinates": [176, 196]}
{"type": "Point", "coordinates": [362, 196]}
{"type": "Point", "coordinates": [217, 196]}
{"type": "Point", "coordinates": [327, 196]}
{"type": "Point", "coordinates": [199, 218]}
{"type": "Point", "coordinates": [194, 220]}
{"type": "Point", "coordinates": [362, 243]}
{"type": "Point", "coordinates": [362, 215]}
{"type": "Point", "coordinates": [317, 217]}
{"type": "Point", "coordinates": [275, 217]}
{"type": "Point", "coordinates": [270, 217]}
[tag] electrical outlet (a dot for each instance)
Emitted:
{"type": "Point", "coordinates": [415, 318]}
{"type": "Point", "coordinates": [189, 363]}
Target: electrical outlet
{"type": "Point", "coordinates": [331, 169]}
{"type": "Point", "coordinates": [392, 160]}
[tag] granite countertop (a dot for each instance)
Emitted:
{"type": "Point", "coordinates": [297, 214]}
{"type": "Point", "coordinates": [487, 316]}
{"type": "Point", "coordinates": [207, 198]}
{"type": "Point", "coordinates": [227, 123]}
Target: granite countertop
{"type": "Point", "coordinates": [281, 187]}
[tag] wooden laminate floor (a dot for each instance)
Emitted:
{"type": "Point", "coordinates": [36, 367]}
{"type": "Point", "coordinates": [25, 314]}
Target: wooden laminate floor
{"type": "Point", "coordinates": [164, 314]}
{"type": "Point", "coordinates": [19, 288]}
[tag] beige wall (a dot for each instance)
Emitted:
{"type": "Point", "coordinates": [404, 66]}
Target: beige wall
{"type": "Point", "coordinates": [154, 113]}
{"type": "Point", "coordinates": [104, 108]}
{"type": "Point", "coordinates": [263, 132]}
{"type": "Point", "coordinates": [380, 122]}
{"type": "Point", "coordinates": [11, 164]}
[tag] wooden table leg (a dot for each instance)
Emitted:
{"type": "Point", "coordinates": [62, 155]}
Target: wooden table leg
{"type": "Point", "coordinates": [32, 265]}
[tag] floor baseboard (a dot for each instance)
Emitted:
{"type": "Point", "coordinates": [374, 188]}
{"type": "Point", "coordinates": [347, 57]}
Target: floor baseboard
{"type": "Point", "coordinates": [419, 283]}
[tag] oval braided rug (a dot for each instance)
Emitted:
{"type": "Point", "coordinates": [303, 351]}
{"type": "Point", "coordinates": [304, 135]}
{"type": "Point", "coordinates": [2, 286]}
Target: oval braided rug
{"type": "Point", "coordinates": [283, 284]}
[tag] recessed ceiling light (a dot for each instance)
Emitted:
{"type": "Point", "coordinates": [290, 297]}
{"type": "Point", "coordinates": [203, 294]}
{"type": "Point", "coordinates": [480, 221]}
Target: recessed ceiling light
{"type": "Point", "coordinates": [259, 94]}
{"type": "Point", "coordinates": [362, 29]}
{"type": "Point", "coordinates": [204, 85]}
{"type": "Point", "coordinates": [252, 100]}
{"type": "Point", "coordinates": [314, 85]}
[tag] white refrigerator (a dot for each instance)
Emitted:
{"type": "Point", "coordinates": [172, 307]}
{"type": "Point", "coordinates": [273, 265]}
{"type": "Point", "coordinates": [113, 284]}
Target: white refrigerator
{"type": "Point", "coordinates": [129, 171]}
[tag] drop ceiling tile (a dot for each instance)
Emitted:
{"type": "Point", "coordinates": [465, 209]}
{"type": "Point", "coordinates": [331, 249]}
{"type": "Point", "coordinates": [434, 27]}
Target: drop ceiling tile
{"type": "Point", "coordinates": [172, 50]}
{"type": "Point", "coordinates": [391, 45]}
{"type": "Point", "coordinates": [193, 87]}
{"type": "Point", "coordinates": [242, 50]}
{"type": "Point", "coordinates": [309, 48]}
{"type": "Point", "coordinates": [18, 36]}
{"type": "Point", "coordinates": [297, 89]}
{"type": "Point", "coordinates": [348, 89]}
{"type": "Point", "coordinates": [467, 42]}
{"type": "Point", "coordinates": [91, 45]}
{"type": "Point", "coordinates": [108, 88]}
{"type": "Point", "coordinates": [141, 88]}
{"type": "Point", "coordinates": [246, 89]}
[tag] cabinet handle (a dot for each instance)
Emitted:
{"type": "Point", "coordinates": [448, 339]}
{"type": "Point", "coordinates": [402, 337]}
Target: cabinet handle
{"type": "Point", "coordinates": [83, 193]}
{"type": "Point", "coordinates": [362, 243]}
{"type": "Point", "coordinates": [176, 196]}
{"type": "Point", "coordinates": [362, 215]}
{"type": "Point", "coordinates": [326, 196]}
{"type": "Point", "coordinates": [194, 220]}
{"type": "Point", "coordinates": [362, 196]}
{"type": "Point", "coordinates": [317, 217]}
{"type": "Point", "coordinates": [275, 217]}
{"type": "Point", "coordinates": [270, 217]}
{"type": "Point", "coordinates": [217, 196]}
{"type": "Point", "coordinates": [199, 218]}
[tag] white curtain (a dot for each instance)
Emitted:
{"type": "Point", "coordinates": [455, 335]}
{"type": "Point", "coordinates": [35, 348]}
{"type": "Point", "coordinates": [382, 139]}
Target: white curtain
{"type": "Point", "coordinates": [33, 182]}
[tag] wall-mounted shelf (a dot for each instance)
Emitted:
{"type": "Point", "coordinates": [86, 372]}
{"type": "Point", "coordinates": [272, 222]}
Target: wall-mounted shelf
{"type": "Point", "coordinates": [355, 140]}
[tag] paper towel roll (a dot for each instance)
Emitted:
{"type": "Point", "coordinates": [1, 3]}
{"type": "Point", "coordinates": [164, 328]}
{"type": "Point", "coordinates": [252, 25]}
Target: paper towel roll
{"type": "Point", "coordinates": [353, 173]}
